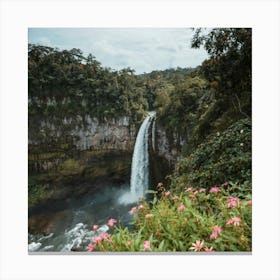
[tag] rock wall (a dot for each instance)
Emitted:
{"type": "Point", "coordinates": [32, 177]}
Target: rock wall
{"type": "Point", "coordinates": [117, 134]}
{"type": "Point", "coordinates": [167, 145]}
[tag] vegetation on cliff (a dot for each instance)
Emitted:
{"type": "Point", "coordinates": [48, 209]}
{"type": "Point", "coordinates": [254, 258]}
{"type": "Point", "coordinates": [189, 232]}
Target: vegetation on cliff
{"type": "Point", "coordinates": [65, 90]}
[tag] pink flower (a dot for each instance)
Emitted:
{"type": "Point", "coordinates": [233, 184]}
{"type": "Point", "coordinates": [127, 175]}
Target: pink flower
{"type": "Point", "coordinates": [233, 202]}
{"type": "Point", "coordinates": [97, 239]}
{"type": "Point", "coordinates": [214, 235]}
{"type": "Point", "coordinates": [147, 245]}
{"type": "Point", "coordinates": [202, 190]}
{"type": "Point", "coordinates": [167, 194]}
{"type": "Point", "coordinates": [249, 203]}
{"type": "Point", "coordinates": [175, 197]}
{"type": "Point", "coordinates": [214, 189]}
{"type": "Point", "coordinates": [225, 184]}
{"type": "Point", "coordinates": [235, 221]}
{"type": "Point", "coordinates": [111, 222]}
{"type": "Point", "coordinates": [217, 229]}
{"type": "Point", "coordinates": [104, 235]}
{"type": "Point", "coordinates": [206, 249]}
{"type": "Point", "coordinates": [128, 242]}
{"type": "Point", "coordinates": [132, 210]}
{"type": "Point", "coordinates": [91, 247]}
{"type": "Point", "coordinates": [197, 246]}
{"type": "Point", "coordinates": [216, 232]}
{"type": "Point", "coordinates": [95, 227]}
{"type": "Point", "coordinates": [189, 189]}
{"type": "Point", "coordinates": [140, 207]}
{"type": "Point", "coordinates": [182, 207]}
{"type": "Point", "coordinates": [229, 222]}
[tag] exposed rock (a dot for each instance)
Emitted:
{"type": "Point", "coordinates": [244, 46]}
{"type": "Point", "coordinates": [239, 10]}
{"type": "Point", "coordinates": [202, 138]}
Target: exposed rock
{"type": "Point", "coordinates": [168, 145]}
{"type": "Point", "coordinates": [48, 223]}
{"type": "Point", "coordinates": [116, 134]}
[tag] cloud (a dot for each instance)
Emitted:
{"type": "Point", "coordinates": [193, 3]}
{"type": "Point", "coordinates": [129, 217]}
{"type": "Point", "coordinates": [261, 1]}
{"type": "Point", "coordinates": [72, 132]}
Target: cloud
{"type": "Point", "coordinates": [142, 49]}
{"type": "Point", "coordinates": [44, 41]}
{"type": "Point", "coordinates": [166, 49]}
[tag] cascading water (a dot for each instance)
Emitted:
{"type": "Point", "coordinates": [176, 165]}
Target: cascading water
{"type": "Point", "coordinates": [154, 135]}
{"type": "Point", "coordinates": [139, 179]}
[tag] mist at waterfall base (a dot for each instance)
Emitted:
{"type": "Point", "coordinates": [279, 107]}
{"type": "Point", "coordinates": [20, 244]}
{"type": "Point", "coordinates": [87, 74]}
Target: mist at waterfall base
{"type": "Point", "coordinates": [69, 227]}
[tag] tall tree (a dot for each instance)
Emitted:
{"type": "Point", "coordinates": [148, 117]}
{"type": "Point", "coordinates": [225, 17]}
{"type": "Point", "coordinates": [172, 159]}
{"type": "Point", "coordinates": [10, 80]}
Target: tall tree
{"type": "Point", "coordinates": [229, 68]}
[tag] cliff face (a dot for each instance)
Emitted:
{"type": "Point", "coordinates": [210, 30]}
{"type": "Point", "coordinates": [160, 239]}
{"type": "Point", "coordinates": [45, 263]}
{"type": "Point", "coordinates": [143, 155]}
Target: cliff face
{"type": "Point", "coordinates": [167, 145]}
{"type": "Point", "coordinates": [117, 134]}
{"type": "Point", "coordinates": [103, 154]}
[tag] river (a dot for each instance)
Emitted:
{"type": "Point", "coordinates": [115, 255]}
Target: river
{"type": "Point", "coordinates": [68, 226]}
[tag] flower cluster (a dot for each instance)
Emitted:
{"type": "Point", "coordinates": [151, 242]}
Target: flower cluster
{"type": "Point", "coordinates": [216, 231]}
{"type": "Point", "coordinates": [199, 245]}
{"type": "Point", "coordinates": [134, 209]}
{"type": "Point", "coordinates": [214, 189]}
{"type": "Point", "coordinates": [233, 202]}
{"type": "Point", "coordinates": [235, 221]}
{"type": "Point", "coordinates": [111, 222]}
{"type": "Point", "coordinates": [201, 220]}
{"type": "Point", "coordinates": [97, 239]}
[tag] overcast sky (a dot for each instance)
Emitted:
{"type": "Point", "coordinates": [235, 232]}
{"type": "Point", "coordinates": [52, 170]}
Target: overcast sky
{"type": "Point", "coordinates": [142, 49]}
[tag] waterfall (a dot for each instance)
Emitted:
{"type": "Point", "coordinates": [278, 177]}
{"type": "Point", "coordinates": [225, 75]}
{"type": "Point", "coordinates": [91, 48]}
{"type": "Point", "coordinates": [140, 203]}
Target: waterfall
{"type": "Point", "coordinates": [139, 179]}
{"type": "Point", "coordinates": [154, 135]}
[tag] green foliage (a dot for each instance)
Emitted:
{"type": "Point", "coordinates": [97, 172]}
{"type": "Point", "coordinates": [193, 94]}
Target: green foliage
{"type": "Point", "coordinates": [64, 90]}
{"type": "Point", "coordinates": [223, 156]}
{"type": "Point", "coordinates": [180, 103]}
{"type": "Point", "coordinates": [230, 51]}
{"type": "Point", "coordinates": [64, 87]}
{"type": "Point", "coordinates": [176, 220]}
{"type": "Point", "coordinates": [215, 94]}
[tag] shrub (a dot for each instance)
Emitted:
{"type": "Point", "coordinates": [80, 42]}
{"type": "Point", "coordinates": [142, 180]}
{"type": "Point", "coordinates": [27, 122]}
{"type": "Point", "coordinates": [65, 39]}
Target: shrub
{"type": "Point", "coordinates": [223, 156]}
{"type": "Point", "coordinates": [193, 220]}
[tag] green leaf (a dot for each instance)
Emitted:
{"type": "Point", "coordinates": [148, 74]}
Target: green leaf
{"type": "Point", "coordinates": [161, 246]}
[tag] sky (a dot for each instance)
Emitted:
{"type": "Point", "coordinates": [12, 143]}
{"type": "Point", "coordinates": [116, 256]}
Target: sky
{"type": "Point", "coordinates": [142, 49]}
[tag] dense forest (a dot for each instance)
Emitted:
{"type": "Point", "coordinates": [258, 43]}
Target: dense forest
{"type": "Point", "coordinates": [207, 108]}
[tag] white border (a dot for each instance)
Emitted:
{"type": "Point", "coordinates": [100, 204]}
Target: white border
{"type": "Point", "coordinates": [17, 16]}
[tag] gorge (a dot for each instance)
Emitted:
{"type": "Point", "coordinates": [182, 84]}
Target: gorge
{"type": "Point", "coordinates": [99, 138]}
